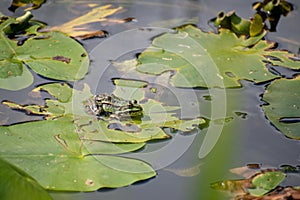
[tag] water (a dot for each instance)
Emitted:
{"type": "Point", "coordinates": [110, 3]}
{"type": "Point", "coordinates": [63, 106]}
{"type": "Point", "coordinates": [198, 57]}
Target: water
{"type": "Point", "coordinates": [247, 138]}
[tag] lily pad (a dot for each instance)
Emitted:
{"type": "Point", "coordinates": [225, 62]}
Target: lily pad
{"type": "Point", "coordinates": [50, 54]}
{"type": "Point", "coordinates": [200, 59]}
{"type": "Point", "coordinates": [13, 179]}
{"type": "Point", "coordinates": [45, 149]}
{"type": "Point", "coordinates": [283, 106]}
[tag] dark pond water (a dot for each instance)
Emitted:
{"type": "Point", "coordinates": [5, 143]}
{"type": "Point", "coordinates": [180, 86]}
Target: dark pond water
{"type": "Point", "coordinates": [244, 139]}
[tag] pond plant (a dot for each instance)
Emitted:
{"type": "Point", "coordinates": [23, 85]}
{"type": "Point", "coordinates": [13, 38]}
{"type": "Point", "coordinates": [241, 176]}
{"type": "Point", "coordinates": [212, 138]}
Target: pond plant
{"type": "Point", "coordinates": [88, 136]}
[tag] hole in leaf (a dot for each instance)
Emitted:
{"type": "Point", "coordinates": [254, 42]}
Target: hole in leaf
{"type": "Point", "coordinates": [121, 127]}
{"type": "Point", "coordinates": [230, 74]}
{"type": "Point", "coordinates": [62, 59]}
{"type": "Point", "coordinates": [241, 114]}
{"type": "Point", "coordinates": [290, 120]}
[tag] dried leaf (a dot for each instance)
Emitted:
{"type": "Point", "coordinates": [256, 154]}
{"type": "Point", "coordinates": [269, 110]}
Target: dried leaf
{"type": "Point", "coordinates": [78, 26]}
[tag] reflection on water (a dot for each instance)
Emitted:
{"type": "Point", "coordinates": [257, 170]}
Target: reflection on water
{"type": "Point", "coordinates": [248, 138]}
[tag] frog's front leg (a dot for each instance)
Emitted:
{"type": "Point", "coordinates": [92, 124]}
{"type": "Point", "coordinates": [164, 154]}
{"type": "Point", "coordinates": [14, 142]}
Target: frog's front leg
{"type": "Point", "coordinates": [92, 107]}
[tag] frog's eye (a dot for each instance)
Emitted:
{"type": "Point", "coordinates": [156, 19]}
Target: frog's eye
{"type": "Point", "coordinates": [109, 98]}
{"type": "Point", "coordinates": [133, 101]}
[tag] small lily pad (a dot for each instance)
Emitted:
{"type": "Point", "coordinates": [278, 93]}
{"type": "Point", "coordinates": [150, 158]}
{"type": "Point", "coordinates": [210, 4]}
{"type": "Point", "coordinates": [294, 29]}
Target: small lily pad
{"type": "Point", "coordinates": [265, 182]}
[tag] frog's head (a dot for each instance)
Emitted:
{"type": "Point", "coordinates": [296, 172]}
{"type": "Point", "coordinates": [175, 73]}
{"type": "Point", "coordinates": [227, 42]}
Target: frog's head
{"type": "Point", "coordinates": [131, 109]}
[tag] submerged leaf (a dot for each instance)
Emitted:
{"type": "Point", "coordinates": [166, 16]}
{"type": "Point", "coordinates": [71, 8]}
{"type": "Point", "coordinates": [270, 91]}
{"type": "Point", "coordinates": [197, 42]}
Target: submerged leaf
{"type": "Point", "coordinates": [77, 27]}
{"type": "Point", "coordinates": [201, 59]}
{"type": "Point", "coordinates": [185, 172]}
{"type": "Point", "coordinates": [283, 106]}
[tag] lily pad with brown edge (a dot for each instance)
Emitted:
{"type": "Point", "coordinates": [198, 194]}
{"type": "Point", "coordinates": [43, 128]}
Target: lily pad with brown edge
{"type": "Point", "coordinates": [282, 106]}
{"type": "Point", "coordinates": [50, 54]}
{"type": "Point", "coordinates": [257, 185]}
{"type": "Point", "coordinates": [266, 182]}
{"type": "Point", "coordinates": [52, 153]}
{"type": "Point", "coordinates": [200, 59]}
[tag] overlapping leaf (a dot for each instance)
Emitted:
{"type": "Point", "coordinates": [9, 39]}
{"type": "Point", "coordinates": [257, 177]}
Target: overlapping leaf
{"type": "Point", "coordinates": [282, 106]}
{"type": "Point", "coordinates": [201, 59]}
{"type": "Point", "coordinates": [52, 54]}
{"type": "Point", "coordinates": [82, 146]}
{"type": "Point", "coordinates": [52, 153]}
{"type": "Point", "coordinates": [156, 115]}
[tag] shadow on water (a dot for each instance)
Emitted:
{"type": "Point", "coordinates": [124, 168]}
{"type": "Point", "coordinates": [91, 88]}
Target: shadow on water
{"type": "Point", "coordinates": [247, 138]}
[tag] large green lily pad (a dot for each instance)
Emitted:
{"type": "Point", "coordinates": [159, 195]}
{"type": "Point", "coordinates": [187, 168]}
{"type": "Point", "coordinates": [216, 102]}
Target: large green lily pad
{"type": "Point", "coordinates": [53, 154]}
{"type": "Point", "coordinates": [282, 106]}
{"type": "Point", "coordinates": [201, 59]}
{"type": "Point", "coordinates": [50, 54]}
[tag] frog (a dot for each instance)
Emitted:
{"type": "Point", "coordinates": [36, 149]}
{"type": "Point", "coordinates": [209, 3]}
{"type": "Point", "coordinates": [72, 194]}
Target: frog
{"type": "Point", "coordinates": [111, 106]}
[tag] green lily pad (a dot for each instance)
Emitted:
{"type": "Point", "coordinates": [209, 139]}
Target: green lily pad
{"type": "Point", "coordinates": [50, 54]}
{"type": "Point", "coordinates": [201, 59]}
{"type": "Point", "coordinates": [45, 149]}
{"type": "Point", "coordinates": [129, 89]}
{"type": "Point", "coordinates": [16, 184]}
{"type": "Point", "coordinates": [283, 106]}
